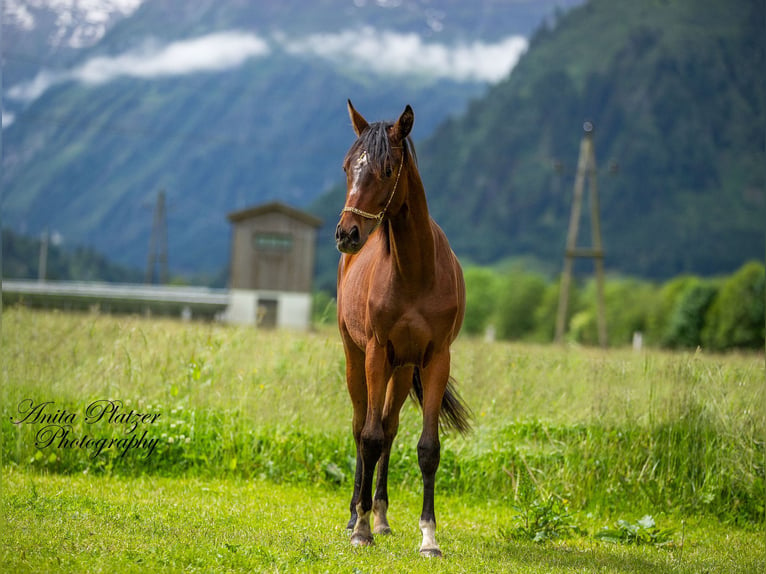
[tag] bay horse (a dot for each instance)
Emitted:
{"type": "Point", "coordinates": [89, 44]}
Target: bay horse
{"type": "Point", "coordinates": [401, 301]}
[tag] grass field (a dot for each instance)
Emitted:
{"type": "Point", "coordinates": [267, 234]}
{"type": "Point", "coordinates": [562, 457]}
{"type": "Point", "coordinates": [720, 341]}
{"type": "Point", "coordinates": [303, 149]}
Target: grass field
{"type": "Point", "coordinates": [253, 458]}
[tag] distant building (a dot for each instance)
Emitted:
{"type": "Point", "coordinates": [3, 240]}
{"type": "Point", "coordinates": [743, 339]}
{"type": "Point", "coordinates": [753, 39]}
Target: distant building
{"type": "Point", "coordinates": [272, 266]}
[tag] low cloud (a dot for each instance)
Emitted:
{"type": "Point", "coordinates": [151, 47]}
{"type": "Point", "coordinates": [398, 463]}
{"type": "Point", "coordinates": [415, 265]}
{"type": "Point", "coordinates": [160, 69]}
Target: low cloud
{"type": "Point", "coordinates": [381, 52]}
{"type": "Point", "coordinates": [391, 53]}
{"type": "Point", "coordinates": [204, 54]}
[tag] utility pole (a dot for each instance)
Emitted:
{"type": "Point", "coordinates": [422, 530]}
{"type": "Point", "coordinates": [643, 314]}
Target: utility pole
{"type": "Point", "coordinates": [158, 243]}
{"type": "Point", "coordinates": [586, 166]}
{"type": "Point", "coordinates": [42, 261]}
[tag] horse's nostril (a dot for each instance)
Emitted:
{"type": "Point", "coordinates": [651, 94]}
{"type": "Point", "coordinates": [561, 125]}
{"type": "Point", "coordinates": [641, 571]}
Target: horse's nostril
{"type": "Point", "coordinates": [353, 235]}
{"type": "Point", "coordinates": [338, 233]}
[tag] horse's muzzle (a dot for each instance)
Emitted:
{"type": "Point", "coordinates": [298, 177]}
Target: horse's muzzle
{"type": "Point", "coordinates": [348, 241]}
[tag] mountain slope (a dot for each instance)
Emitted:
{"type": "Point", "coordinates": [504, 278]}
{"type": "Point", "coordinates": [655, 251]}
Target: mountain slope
{"type": "Point", "coordinates": [51, 33]}
{"type": "Point", "coordinates": [100, 166]}
{"type": "Point", "coordinates": [676, 93]}
{"type": "Point", "coordinates": [149, 108]}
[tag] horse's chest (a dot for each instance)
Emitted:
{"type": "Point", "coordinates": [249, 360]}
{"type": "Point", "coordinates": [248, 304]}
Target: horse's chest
{"type": "Point", "coordinates": [410, 332]}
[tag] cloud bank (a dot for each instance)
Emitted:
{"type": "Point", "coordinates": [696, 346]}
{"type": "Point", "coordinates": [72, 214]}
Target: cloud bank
{"type": "Point", "coordinates": [391, 53]}
{"type": "Point", "coordinates": [209, 53]}
{"type": "Point", "coordinates": [381, 52]}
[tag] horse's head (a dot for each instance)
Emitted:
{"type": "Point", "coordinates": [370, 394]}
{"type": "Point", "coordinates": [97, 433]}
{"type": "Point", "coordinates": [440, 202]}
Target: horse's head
{"type": "Point", "coordinates": [374, 186]}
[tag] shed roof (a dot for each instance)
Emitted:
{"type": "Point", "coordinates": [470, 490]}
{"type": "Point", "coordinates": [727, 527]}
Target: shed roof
{"type": "Point", "coordinates": [275, 206]}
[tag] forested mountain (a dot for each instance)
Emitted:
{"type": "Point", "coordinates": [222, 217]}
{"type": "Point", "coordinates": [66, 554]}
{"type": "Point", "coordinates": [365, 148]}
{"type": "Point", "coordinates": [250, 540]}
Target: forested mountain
{"type": "Point", "coordinates": [675, 90]}
{"type": "Point", "coordinates": [224, 103]}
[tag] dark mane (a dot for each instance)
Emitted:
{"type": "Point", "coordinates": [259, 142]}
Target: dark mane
{"type": "Point", "coordinates": [374, 141]}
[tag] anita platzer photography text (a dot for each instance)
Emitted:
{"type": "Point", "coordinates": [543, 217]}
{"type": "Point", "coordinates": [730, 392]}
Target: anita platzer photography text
{"type": "Point", "coordinates": [55, 427]}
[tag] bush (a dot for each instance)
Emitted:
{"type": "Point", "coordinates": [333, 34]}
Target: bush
{"type": "Point", "coordinates": [736, 316]}
{"type": "Point", "coordinates": [667, 299]}
{"type": "Point", "coordinates": [687, 319]}
{"type": "Point", "coordinates": [685, 312]}
{"type": "Point", "coordinates": [628, 303]}
{"type": "Point", "coordinates": [481, 292]}
{"type": "Point", "coordinates": [519, 295]}
{"type": "Point", "coordinates": [545, 314]}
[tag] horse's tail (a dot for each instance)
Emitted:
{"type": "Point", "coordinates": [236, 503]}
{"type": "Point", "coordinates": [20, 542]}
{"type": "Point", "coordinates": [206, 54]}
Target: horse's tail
{"type": "Point", "coordinates": [455, 413]}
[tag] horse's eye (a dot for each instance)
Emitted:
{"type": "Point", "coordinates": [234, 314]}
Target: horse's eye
{"type": "Point", "coordinates": [388, 171]}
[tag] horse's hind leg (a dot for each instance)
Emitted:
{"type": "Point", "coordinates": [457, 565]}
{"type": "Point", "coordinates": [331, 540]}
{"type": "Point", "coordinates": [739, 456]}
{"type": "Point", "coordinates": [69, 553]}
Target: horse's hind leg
{"type": "Point", "coordinates": [396, 394]}
{"type": "Point", "coordinates": [435, 378]}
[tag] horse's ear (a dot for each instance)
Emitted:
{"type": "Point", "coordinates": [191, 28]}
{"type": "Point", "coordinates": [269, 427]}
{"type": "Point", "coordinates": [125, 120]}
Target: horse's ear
{"type": "Point", "coordinates": [357, 120]}
{"type": "Point", "coordinates": [403, 125]}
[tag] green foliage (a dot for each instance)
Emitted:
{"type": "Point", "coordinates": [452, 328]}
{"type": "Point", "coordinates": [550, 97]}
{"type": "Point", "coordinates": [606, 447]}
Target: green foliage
{"type": "Point", "coordinates": [482, 289]}
{"type": "Point", "coordinates": [324, 308]}
{"type": "Point", "coordinates": [659, 316]}
{"type": "Point", "coordinates": [628, 302]}
{"type": "Point", "coordinates": [736, 318]}
{"type": "Point", "coordinates": [547, 311]}
{"type": "Point", "coordinates": [642, 531]}
{"type": "Point", "coordinates": [519, 295]}
{"type": "Point", "coordinates": [687, 318]}
{"type": "Point", "coordinates": [543, 521]}
{"type": "Point", "coordinates": [21, 256]}
{"type": "Point", "coordinates": [683, 313]}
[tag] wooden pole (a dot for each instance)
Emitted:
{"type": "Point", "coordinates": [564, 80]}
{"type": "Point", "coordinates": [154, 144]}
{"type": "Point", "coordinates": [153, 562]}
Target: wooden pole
{"type": "Point", "coordinates": [158, 243]}
{"type": "Point", "coordinates": [598, 251]}
{"type": "Point", "coordinates": [586, 167]}
{"type": "Point", "coordinates": [42, 260]}
{"type": "Point", "coordinates": [574, 223]}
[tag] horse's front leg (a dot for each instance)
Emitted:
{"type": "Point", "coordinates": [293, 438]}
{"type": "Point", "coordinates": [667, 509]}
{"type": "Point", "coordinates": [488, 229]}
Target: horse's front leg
{"type": "Point", "coordinates": [357, 390]}
{"type": "Point", "coordinates": [435, 378]}
{"type": "Point", "coordinates": [398, 388]}
{"type": "Point", "coordinates": [372, 439]}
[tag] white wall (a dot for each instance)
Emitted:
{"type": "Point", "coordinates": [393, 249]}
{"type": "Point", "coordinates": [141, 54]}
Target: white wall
{"type": "Point", "coordinates": [293, 309]}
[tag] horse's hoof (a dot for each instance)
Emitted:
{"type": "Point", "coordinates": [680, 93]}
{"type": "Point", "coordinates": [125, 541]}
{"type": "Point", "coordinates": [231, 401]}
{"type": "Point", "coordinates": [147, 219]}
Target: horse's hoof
{"type": "Point", "coordinates": [360, 540]}
{"type": "Point", "coordinates": [384, 530]}
{"type": "Point", "coordinates": [431, 552]}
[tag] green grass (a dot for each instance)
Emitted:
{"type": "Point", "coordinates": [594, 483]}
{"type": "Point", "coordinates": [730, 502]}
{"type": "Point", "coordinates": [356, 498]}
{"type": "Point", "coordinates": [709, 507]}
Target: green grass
{"type": "Point", "coordinates": [253, 465]}
{"type": "Point", "coordinates": [81, 523]}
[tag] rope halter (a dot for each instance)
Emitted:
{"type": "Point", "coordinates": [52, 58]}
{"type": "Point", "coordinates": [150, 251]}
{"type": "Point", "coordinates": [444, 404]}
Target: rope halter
{"type": "Point", "coordinates": [378, 218]}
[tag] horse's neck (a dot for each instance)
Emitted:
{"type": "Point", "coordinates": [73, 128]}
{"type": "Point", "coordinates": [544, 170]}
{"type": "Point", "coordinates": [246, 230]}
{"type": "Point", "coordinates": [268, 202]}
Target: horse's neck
{"type": "Point", "coordinates": [411, 238]}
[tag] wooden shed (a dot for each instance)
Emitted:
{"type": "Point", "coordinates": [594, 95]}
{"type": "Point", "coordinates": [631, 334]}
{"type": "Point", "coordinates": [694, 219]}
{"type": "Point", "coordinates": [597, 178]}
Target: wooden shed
{"type": "Point", "coordinates": [272, 265]}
